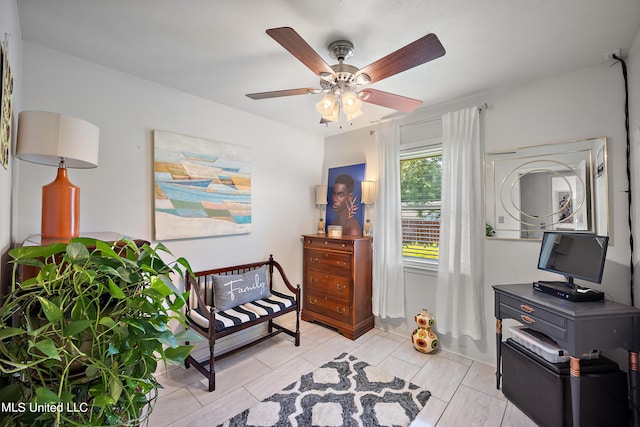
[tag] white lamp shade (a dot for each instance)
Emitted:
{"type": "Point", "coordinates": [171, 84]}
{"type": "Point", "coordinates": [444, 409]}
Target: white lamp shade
{"type": "Point", "coordinates": [368, 191]}
{"type": "Point", "coordinates": [326, 105]}
{"type": "Point", "coordinates": [321, 194]}
{"type": "Point", "coordinates": [351, 104]}
{"type": "Point", "coordinates": [45, 138]}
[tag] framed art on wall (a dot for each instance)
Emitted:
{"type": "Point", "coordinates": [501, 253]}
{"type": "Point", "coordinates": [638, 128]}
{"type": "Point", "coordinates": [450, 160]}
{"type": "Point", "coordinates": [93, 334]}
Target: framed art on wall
{"type": "Point", "coordinates": [344, 195]}
{"type": "Point", "coordinates": [202, 187]}
{"type": "Point", "coordinates": [6, 93]}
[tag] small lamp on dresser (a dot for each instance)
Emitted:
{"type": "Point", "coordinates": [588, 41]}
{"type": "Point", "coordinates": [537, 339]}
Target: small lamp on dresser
{"type": "Point", "coordinates": [368, 191]}
{"type": "Point", "coordinates": [54, 139]}
{"type": "Point", "coordinates": [321, 200]}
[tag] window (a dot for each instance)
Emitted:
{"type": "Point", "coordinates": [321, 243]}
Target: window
{"type": "Point", "coordinates": [420, 188]}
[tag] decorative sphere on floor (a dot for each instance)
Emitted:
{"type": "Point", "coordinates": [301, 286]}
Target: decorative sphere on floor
{"type": "Point", "coordinates": [424, 339]}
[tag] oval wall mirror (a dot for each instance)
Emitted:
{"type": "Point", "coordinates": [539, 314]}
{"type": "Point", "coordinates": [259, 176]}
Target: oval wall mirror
{"type": "Point", "coordinates": [560, 186]}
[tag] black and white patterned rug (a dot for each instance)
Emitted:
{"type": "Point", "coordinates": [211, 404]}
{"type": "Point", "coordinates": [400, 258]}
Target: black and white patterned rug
{"type": "Point", "coordinates": [344, 392]}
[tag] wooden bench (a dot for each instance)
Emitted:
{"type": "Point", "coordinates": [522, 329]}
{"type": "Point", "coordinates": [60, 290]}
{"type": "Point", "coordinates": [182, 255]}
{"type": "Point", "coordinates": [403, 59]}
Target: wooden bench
{"type": "Point", "coordinates": [202, 312]}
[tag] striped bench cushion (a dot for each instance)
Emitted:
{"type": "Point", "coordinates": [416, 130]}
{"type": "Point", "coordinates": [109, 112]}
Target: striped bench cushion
{"type": "Point", "coordinates": [246, 312]}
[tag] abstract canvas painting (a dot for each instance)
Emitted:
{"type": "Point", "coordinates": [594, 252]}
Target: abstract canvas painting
{"type": "Point", "coordinates": [6, 109]}
{"type": "Point", "coordinates": [202, 187]}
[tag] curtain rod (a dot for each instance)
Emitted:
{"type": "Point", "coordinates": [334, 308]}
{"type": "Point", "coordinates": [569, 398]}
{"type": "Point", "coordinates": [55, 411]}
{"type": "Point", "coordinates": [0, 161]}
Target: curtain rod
{"type": "Point", "coordinates": [481, 107]}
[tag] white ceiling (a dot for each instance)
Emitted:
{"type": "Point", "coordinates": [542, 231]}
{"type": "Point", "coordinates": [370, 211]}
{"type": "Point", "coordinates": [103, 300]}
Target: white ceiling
{"type": "Point", "coordinates": [218, 49]}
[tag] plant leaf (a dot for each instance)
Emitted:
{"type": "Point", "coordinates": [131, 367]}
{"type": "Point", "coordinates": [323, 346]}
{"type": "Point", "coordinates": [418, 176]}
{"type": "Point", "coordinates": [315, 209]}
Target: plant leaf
{"type": "Point", "coordinates": [159, 285]}
{"type": "Point", "coordinates": [130, 357]}
{"type": "Point", "coordinates": [103, 401]}
{"type": "Point", "coordinates": [91, 371]}
{"type": "Point", "coordinates": [34, 252]}
{"type": "Point", "coordinates": [107, 321]}
{"type": "Point", "coordinates": [115, 387]}
{"type": "Point", "coordinates": [189, 335]}
{"type": "Point", "coordinates": [115, 290]}
{"type": "Point", "coordinates": [183, 262]}
{"type": "Point", "coordinates": [48, 347]}
{"type": "Point", "coordinates": [76, 327]}
{"type": "Point", "coordinates": [77, 253]}
{"type": "Point", "coordinates": [11, 392]}
{"type": "Point", "coordinates": [10, 332]}
{"type": "Point", "coordinates": [167, 338]}
{"type": "Point", "coordinates": [44, 395]}
{"type": "Point", "coordinates": [51, 310]}
{"type": "Point", "coordinates": [179, 354]}
{"type": "Point", "coordinates": [106, 249]}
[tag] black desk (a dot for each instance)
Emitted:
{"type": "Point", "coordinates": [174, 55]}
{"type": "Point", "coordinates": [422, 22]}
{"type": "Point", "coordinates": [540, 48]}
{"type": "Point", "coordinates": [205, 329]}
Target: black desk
{"type": "Point", "coordinates": [578, 327]}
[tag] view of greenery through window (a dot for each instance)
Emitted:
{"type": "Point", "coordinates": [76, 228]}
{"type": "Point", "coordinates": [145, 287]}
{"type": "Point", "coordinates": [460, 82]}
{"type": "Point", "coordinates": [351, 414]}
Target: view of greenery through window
{"type": "Point", "coordinates": [420, 187]}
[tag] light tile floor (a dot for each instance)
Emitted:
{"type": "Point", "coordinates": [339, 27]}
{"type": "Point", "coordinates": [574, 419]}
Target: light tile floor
{"type": "Point", "coordinates": [463, 391]}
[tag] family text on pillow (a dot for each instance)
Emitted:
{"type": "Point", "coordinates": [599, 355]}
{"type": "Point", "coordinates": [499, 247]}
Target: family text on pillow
{"type": "Point", "coordinates": [236, 289]}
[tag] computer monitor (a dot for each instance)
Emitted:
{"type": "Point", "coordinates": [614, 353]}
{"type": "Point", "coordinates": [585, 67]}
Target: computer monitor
{"type": "Point", "coordinates": [573, 255]}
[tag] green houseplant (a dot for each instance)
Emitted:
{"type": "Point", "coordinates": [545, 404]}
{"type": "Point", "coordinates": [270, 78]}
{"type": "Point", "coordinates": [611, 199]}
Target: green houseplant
{"type": "Point", "coordinates": [80, 341]}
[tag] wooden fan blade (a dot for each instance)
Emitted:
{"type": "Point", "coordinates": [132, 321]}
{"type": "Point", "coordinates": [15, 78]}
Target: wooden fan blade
{"type": "Point", "coordinates": [420, 51]}
{"type": "Point", "coordinates": [299, 48]}
{"type": "Point", "coordinates": [278, 93]}
{"type": "Point", "coordinates": [390, 100]}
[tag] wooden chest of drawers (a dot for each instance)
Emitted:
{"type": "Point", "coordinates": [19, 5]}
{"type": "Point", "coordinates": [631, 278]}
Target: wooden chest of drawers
{"type": "Point", "coordinates": [337, 283]}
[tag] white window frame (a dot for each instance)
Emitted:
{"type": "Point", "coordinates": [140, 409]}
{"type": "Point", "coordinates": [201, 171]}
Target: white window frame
{"type": "Point", "coordinates": [421, 148]}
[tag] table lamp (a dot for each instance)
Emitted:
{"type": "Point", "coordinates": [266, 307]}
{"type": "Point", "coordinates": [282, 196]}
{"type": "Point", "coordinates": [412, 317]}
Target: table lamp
{"type": "Point", "coordinates": [368, 192]}
{"type": "Point", "coordinates": [66, 142]}
{"type": "Point", "coordinates": [321, 200]}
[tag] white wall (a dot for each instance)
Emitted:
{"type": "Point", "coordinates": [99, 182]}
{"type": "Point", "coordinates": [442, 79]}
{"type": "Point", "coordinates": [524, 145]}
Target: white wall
{"type": "Point", "coordinates": [117, 196]}
{"type": "Point", "coordinates": [581, 104]}
{"type": "Point", "coordinates": [10, 25]}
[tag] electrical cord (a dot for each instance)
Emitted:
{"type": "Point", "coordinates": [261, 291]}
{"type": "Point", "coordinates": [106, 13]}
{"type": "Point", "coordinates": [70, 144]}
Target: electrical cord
{"type": "Point", "coordinates": [633, 385]}
{"type": "Point", "coordinates": [629, 194]}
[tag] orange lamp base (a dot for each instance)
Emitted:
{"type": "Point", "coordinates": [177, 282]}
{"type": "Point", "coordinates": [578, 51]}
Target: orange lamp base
{"type": "Point", "coordinates": [60, 209]}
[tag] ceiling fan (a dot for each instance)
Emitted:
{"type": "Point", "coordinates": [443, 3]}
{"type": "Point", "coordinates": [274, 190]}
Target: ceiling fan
{"type": "Point", "coordinates": [344, 83]}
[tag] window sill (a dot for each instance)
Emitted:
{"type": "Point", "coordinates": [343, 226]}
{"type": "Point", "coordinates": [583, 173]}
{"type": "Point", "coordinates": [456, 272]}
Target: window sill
{"type": "Point", "coordinates": [418, 266]}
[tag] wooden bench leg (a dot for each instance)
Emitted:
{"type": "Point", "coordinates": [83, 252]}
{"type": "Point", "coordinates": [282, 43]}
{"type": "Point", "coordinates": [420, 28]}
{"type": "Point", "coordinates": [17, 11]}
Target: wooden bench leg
{"type": "Point", "coordinates": [298, 326]}
{"type": "Point", "coordinates": [187, 364]}
{"type": "Point", "coordinates": [212, 371]}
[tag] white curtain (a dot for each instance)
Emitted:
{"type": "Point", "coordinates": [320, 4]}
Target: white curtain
{"type": "Point", "coordinates": [460, 303]}
{"type": "Point", "coordinates": [388, 275]}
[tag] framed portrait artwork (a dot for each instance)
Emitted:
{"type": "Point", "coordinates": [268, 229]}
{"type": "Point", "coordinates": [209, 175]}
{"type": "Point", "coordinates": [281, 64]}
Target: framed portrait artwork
{"type": "Point", "coordinates": [344, 198]}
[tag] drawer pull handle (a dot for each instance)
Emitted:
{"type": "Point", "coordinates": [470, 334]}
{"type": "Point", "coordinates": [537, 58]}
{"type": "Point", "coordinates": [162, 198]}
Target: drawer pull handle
{"type": "Point", "coordinates": [527, 309]}
{"type": "Point", "coordinates": [313, 300]}
{"type": "Point", "coordinates": [313, 260]}
{"type": "Point", "coordinates": [340, 310]}
{"type": "Point", "coordinates": [527, 319]}
{"type": "Point", "coordinates": [340, 287]}
{"type": "Point", "coordinates": [313, 281]}
{"type": "Point", "coordinates": [344, 245]}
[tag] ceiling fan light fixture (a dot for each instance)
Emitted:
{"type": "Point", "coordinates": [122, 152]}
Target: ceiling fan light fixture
{"type": "Point", "coordinates": [351, 103]}
{"type": "Point", "coordinates": [342, 82]}
{"type": "Point", "coordinates": [334, 116]}
{"type": "Point", "coordinates": [326, 105]}
{"type": "Point", "coordinates": [331, 115]}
